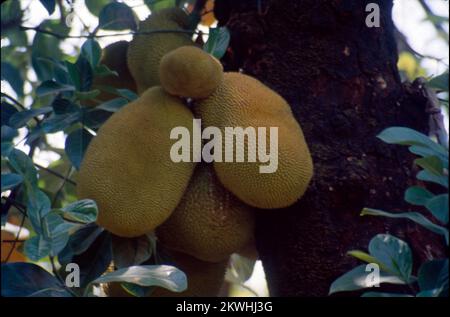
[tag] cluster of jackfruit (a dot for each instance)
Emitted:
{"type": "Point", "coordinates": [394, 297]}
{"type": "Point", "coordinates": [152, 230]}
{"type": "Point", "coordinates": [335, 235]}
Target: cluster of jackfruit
{"type": "Point", "coordinates": [203, 212]}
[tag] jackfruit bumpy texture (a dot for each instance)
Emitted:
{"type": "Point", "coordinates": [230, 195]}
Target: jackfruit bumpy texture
{"type": "Point", "coordinates": [190, 72]}
{"type": "Point", "coordinates": [114, 56]}
{"type": "Point", "coordinates": [127, 168]}
{"type": "Point", "coordinates": [146, 50]}
{"type": "Point", "coordinates": [209, 223]}
{"type": "Point", "coordinates": [204, 279]}
{"type": "Point", "coordinates": [242, 101]}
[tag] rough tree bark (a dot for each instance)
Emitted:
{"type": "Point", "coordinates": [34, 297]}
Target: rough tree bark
{"type": "Point", "coordinates": [341, 80]}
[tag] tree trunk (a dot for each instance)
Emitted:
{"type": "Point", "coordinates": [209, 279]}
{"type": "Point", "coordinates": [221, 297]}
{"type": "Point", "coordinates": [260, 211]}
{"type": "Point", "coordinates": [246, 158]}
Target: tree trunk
{"type": "Point", "coordinates": [341, 80]}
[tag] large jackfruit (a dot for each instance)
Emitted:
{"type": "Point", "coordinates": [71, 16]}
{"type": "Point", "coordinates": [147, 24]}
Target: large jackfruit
{"type": "Point", "coordinates": [146, 50]}
{"type": "Point", "coordinates": [190, 72]}
{"type": "Point", "coordinates": [209, 223]}
{"type": "Point", "coordinates": [242, 101]}
{"type": "Point", "coordinates": [114, 56]}
{"type": "Point", "coordinates": [204, 279]}
{"type": "Point", "coordinates": [127, 167]}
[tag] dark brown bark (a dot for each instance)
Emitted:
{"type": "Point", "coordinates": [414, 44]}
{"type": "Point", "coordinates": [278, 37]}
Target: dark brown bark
{"type": "Point", "coordinates": [341, 80]}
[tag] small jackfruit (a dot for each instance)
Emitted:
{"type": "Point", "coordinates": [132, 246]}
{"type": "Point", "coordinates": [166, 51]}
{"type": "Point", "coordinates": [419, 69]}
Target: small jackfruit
{"type": "Point", "coordinates": [146, 50]}
{"type": "Point", "coordinates": [242, 101]}
{"type": "Point", "coordinates": [204, 279]}
{"type": "Point", "coordinates": [127, 167]}
{"type": "Point", "coordinates": [209, 223]}
{"type": "Point", "coordinates": [114, 56]}
{"type": "Point", "coordinates": [190, 72]}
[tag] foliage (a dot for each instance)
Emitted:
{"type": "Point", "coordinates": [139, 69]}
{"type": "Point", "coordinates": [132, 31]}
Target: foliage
{"type": "Point", "coordinates": [392, 255]}
{"type": "Point", "coordinates": [63, 229]}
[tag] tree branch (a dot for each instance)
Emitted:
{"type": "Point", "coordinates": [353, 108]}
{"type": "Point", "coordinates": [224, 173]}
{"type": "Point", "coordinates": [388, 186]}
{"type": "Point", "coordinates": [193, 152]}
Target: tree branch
{"type": "Point", "coordinates": [50, 171]}
{"type": "Point", "coordinates": [61, 36]}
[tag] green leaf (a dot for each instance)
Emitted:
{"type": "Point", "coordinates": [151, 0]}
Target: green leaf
{"type": "Point", "coordinates": [117, 16]}
{"type": "Point", "coordinates": [102, 71]}
{"type": "Point", "coordinates": [128, 94]}
{"type": "Point", "coordinates": [440, 82]}
{"type": "Point", "coordinates": [218, 41]}
{"type": "Point", "coordinates": [63, 106]}
{"type": "Point", "coordinates": [49, 5]}
{"type": "Point", "coordinates": [130, 251]}
{"type": "Point", "coordinates": [432, 164]}
{"type": "Point", "coordinates": [438, 206]}
{"type": "Point", "coordinates": [37, 248]}
{"type": "Point", "coordinates": [156, 5]}
{"type": "Point", "coordinates": [12, 75]}
{"type": "Point", "coordinates": [413, 216]}
{"type": "Point", "coordinates": [51, 292]}
{"type": "Point", "coordinates": [8, 133]}
{"type": "Point", "coordinates": [21, 118]}
{"type": "Point", "coordinates": [24, 166]}
{"type": "Point", "coordinates": [56, 231]}
{"type": "Point", "coordinates": [81, 73]}
{"type": "Point", "coordinates": [7, 111]}
{"type": "Point", "coordinates": [86, 95]}
{"type": "Point", "coordinates": [381, 294]}
{"type": "Point", "coordinates": [52, 87]}
{"type": "Point", "coordinates": [92, 51]}
{"type": "Point", "coordinates": [10, 181]}
{"type": "Point", "coordinates": [76, 144]}
{"type": "Point", "coordinates": [23, 279]}
{"type": "Point", "coordinates": [95, 260]}
{"type": "Point", "coordinates": [165, 276]}
{"type": "Point", "coordinates": [57, 123]}
{"type": "Point", "coordinates": [112, 105]}
{"type": "Point", "coordinates": [241, 268]}
{"type": "Point", "coordinates": [79, 242]}
{"type": "Point", "coordinates": [95, 6]}
{"type": "Point", "coordinates": [407, 136]}
{"type": "Point", "coordinates": [7, 147]}
{"type": "Point", "coordinates": [11, 13]}
{"type": "Point", "coordinates": [363, 256]}
{"type": "Point", "coordinates": [426, 176]}
{"type": "Point", "coordinates": [394, 253]}
{"type": "Point", "coordinates": [418, 196]}
{"type": "Point", "coordinates": [84, 211]}
{"type": "Point", "coordinates": [433, 276]}
{"type": "Point", "coordinates": [38, 207]}
{"type": "Point", "coordinates": [356, 279]}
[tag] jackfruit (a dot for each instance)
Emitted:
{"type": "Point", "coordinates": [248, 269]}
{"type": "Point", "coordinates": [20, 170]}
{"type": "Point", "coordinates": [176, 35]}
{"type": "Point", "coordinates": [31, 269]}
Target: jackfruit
{"type": "Point", "coordinates": [114, 56]}
{"type": "Point", "coordinates": [127, 167]}
{"type": "Point", "coordinates": [190, 72]}
{"type": "Point", "coordinates": [209, 223]}
{"type": "Point", "coordinates": [242, 101]}
{"type": "Point", "coordinates": [205, 279]}
{"type": "Point", "coordinates": [146, 50]}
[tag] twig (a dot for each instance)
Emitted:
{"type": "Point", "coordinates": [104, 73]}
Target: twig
{"type": "Point", "coordinates": [15, 240]}
{"type": "Point", "coordinates": [50, 171]}
{"type": "Point", "coordinates": [61, 36]}
{"type": "Point", "coordinates": [436, 24]}
{"type": "Point", "coordinates": [18, 104]}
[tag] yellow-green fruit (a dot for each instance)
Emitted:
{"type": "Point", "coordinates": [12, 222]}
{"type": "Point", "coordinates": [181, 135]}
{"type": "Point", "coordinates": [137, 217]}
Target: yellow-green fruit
{"type": "Point", "coordinates": [204, 279]}
{"type": "Point", "coordinates": [209, 223]}
{"type": "Point", "coordinates": [127, 167]}
{"type": "Point", "coordinates": [190, 72]}
{"type": "Point", "coordinates": [146, 50]}
{"type": "Point", "coordinates": [242, 101]}
{"type": "Point", "coordinates": [114, 56]}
